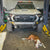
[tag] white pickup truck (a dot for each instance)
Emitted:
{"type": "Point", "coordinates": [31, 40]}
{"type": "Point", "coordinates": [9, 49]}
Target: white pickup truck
{"type": "Point", "coordinates": [24, 14]}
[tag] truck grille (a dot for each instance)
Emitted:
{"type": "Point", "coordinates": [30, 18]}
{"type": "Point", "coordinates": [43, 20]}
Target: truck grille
{"type": "Point", "coordinates": [24, 18]}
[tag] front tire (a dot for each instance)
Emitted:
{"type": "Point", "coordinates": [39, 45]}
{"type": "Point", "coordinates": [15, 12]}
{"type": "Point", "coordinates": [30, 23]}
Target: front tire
{"type": "Point", "coordinates": [9, 27]}
{"type": "Point", "coordinates": [39, 27]}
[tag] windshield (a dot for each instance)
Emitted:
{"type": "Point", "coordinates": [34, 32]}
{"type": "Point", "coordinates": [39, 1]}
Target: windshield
{"type": "Point", "coordinates": [24, 5]}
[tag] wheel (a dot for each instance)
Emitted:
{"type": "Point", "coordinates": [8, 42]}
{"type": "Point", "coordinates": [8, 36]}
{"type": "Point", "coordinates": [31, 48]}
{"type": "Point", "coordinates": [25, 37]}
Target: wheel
{"type": "Point", "coordinates": [13, 27]}
{"type": "Point", "coordinates": [39, 27]}
{"type": "Point", "coordinates": [9, 27]}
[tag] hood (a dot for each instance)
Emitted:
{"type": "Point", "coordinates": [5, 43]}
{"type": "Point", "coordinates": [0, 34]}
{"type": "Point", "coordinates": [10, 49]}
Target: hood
{"type": "Point", "coordinates": [24, 11]}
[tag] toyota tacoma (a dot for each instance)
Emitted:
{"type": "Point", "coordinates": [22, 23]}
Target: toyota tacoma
{"type": "Point", "coordinates": [24, 15]}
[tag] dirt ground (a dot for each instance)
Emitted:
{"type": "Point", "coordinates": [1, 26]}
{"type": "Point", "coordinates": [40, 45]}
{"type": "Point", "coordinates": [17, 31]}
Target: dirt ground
{"type": "Point", "coordinates": [14, 40]}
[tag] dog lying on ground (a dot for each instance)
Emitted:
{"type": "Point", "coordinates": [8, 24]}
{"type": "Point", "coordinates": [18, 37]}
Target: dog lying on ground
{"type": "Point", "coordinates": [36, 40]}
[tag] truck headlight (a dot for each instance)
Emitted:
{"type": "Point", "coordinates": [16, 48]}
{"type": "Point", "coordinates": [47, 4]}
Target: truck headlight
{"type": "Point", "coordinates": [40, 17]}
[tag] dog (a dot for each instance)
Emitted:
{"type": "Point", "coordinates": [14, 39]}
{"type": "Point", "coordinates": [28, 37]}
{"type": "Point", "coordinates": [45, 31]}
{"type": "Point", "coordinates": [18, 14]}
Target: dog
{"type": "Point", "coordinates": [36, 40]}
